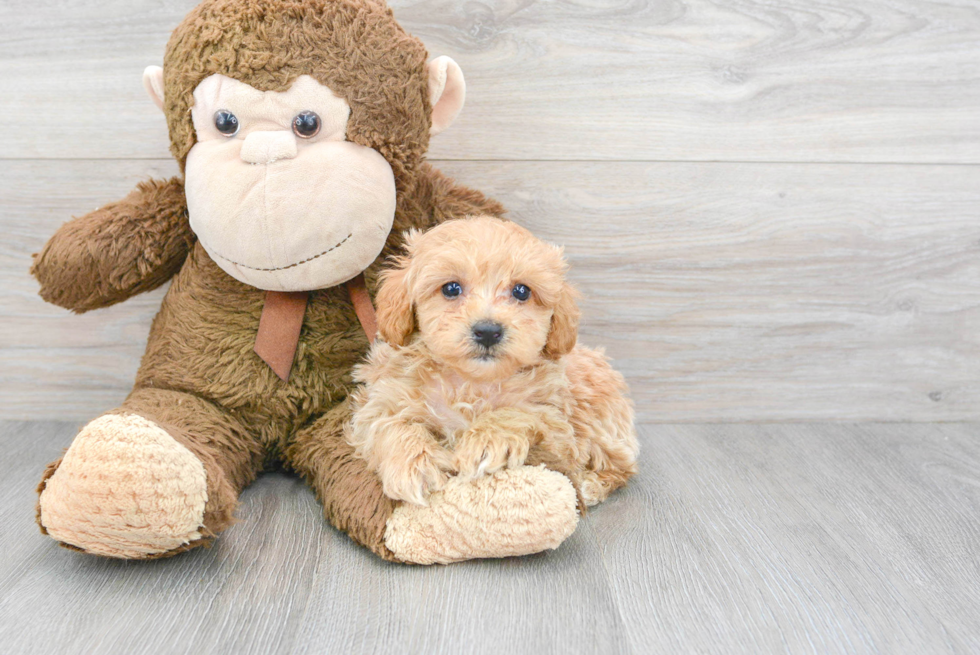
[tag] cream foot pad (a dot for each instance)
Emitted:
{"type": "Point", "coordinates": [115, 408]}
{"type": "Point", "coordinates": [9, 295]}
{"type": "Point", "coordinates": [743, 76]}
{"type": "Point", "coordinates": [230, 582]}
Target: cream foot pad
{"type": "Point", "coordinates": [125, 488]}
{"type": "Point", "coordinates": [513, 512]}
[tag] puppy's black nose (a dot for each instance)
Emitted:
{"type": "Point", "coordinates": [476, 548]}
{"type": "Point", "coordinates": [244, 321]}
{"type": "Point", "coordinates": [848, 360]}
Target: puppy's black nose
{"type": "Point", "coordinates": [488, 333]}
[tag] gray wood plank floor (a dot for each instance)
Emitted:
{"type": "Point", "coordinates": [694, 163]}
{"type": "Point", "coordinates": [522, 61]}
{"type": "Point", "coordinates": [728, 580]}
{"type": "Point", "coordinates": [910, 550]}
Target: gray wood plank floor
{"type": "Point", "coordinates": [831, 538]}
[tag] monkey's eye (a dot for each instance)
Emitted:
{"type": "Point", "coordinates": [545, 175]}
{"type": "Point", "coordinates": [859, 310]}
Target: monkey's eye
{"type": "Point", "coordinates": [451, 289]}
{"type": "Point", "coordinates": [306, 125]}
{"type": "Point", "coordinates": [226, 122]}
{"type": "Point", "coordinates": [521, 292]}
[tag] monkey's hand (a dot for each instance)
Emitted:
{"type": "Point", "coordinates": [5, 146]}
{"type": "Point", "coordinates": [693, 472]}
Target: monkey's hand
{"type": "Point", "coordinates": [125, 248]}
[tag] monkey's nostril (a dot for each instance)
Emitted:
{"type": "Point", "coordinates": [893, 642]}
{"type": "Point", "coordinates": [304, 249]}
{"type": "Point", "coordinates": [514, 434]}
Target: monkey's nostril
{"type": "Point", "coordinates": [488, 333]}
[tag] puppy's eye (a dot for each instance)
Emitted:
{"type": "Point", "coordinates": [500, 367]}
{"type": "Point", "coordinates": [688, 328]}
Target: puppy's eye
{"type": "Point", "coordinates": [451, 289]}
{"type": "Point", "coordinates": [306, 125]}
{"type": "Point", "coordinates": [521, 292]}
{"type": "Point", "coordinates": [226, 122]}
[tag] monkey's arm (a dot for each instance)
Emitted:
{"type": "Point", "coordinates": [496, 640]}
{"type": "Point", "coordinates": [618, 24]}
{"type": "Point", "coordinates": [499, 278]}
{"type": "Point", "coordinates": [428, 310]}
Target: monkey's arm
{"type": "Point", "coordinates": [125, 248]}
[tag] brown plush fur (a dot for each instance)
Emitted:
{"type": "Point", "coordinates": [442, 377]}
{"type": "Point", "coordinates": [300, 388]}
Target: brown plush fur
{"type": "Point", "coordinates": [354, 47]}
{"type": "Point", "coordinates": [435, 403]}
{"type": "Point", "coordinates": [118, 251]}
{"type": "Point", "coordinates": [200, 379]}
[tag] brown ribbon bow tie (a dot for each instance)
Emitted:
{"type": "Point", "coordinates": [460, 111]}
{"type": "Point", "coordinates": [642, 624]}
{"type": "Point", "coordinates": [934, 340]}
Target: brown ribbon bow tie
{"type": "Point", "coordinates": [282, 320]}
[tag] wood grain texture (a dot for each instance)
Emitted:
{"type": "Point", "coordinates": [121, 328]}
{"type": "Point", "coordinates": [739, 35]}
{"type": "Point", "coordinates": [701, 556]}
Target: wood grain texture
{"type": "Point", "coordinates": [691, 80]}
{"type": "Point", "coordinates": [724, 292]}
{"type": "Point", "coordinates": [732, 539]}
{"type": "Point", "coordinates": [798, 538]}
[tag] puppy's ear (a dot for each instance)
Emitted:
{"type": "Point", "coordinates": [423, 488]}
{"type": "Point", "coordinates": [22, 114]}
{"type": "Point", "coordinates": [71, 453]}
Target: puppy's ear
{"type": "Point", "coordinates": [396, 317]}
{"type": "Point", "coordinates": [564, 324]}
{"type": "Point", "coordinates": [411, 238]}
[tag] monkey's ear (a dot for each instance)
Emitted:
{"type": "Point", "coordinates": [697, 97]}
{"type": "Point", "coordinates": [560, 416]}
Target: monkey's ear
{"type": "Point", "coordinates": [564, 324]}
{"type": "Point", "coordinates": [447, 92]}
{"type": "Point", "coordinates": [396, 316]}
{"type": "Point", "coordinates": [153, 83]}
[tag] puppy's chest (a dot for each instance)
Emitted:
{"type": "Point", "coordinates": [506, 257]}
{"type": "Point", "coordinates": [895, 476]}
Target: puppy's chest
{"type": "Point", "coordinates": [453, 405]}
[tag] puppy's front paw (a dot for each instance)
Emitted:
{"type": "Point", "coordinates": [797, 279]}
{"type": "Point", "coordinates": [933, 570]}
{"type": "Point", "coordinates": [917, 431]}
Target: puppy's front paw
{"type": "Point", "coordinates": [481, 452]}
{"type": "Point", "coordinates": [413, 478]}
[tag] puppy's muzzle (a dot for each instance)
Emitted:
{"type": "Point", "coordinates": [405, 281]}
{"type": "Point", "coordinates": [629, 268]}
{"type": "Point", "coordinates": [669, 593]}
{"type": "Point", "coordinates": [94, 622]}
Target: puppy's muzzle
{"type": "Point", "coordinates": [487, 333]}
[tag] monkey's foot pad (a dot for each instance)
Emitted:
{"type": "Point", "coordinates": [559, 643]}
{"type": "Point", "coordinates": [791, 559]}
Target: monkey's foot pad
{"type": "Point", "coordinates": [512, 512]}
{"type": "Point", "coordinates": [125, 488]}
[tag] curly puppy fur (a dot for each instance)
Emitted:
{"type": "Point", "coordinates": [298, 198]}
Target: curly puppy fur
{"type": "Point", "coordinates": [437, 403]}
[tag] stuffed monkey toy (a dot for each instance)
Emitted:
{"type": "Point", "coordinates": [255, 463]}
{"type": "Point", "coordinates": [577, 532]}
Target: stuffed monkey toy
{"type": "Point", "coordinates": [300, 127]}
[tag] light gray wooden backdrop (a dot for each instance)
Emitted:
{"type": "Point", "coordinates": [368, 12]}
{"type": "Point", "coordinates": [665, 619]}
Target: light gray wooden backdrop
{"type": "Point", "coordinates": [772, 208]}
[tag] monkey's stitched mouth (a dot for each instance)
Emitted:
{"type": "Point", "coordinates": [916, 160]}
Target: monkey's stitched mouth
{"type": "Point", "coordinates": [280, 268]}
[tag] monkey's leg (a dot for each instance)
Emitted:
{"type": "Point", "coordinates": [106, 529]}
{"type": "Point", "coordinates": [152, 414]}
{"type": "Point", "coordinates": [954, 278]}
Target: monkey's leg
{"type": "Point", "coordinates": [513, 512]}
{"type": "Point", "coordinates": [157, 476]}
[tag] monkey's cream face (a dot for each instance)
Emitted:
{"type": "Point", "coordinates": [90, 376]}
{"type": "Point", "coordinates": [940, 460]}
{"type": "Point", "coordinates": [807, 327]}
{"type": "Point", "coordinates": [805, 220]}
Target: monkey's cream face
{"type": "Point", "coordinates": [277, 196]}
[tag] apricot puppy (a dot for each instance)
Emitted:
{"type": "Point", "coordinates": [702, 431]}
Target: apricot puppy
{"type": "Point", "coordinates": [479, 369]}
